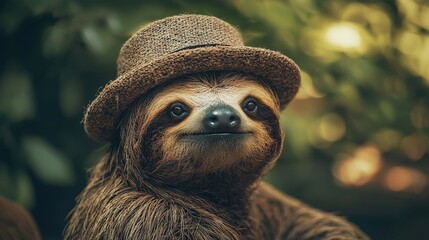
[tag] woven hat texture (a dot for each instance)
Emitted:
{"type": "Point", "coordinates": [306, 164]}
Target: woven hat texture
{"type": "Point", "coordinates": [177, 46]}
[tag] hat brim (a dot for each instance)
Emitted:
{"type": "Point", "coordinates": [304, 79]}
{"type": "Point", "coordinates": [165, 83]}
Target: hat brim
{"type": "Point", "coordinates": [273, 68]}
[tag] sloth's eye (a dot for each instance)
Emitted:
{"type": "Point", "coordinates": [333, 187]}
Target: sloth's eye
{"type": "Point", "coordinates": [250, 105]}
{"type": "Point", "coordinates": [178, 111]}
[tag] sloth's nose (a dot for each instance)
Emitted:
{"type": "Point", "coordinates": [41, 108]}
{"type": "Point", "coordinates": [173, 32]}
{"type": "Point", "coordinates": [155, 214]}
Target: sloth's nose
{"type": "Point", "coordinates": [221, 119]}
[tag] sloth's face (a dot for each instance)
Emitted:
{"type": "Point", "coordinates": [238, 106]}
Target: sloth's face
{"type": "Point", "coordinates": [209, 123]}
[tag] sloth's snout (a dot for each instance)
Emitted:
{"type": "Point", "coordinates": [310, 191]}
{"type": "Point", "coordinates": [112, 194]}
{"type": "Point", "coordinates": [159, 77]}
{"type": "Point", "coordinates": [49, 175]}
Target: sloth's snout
{"type": "Point", "coordinates": [221, 119]}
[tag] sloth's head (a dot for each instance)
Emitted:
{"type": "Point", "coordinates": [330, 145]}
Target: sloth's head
{"type": "Point", "coordinates": [200, 124]}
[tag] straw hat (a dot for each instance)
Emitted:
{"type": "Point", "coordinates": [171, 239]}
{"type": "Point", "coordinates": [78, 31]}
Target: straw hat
{"type": "Point", "coordinates": [177, 46]}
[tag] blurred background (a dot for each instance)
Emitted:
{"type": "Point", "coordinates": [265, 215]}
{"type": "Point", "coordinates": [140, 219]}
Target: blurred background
{"type": "Point", "coordinates": [357, 134]}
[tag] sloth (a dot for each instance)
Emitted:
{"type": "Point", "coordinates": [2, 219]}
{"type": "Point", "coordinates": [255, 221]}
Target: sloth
{"type": "Point", "coordinates": [187, 162]}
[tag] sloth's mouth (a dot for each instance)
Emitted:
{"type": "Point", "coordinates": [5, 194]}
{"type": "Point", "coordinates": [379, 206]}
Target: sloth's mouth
{"type": "Point", "coordinates": [217, 136]}
{"type": "Point", "coordinates": [217, 133]}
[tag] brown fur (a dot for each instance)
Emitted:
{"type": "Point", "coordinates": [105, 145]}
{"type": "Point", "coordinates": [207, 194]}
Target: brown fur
{"type": "Point", "coordinates": [140, 190]}
{"type": "Point", "coordinates": [16, 223]}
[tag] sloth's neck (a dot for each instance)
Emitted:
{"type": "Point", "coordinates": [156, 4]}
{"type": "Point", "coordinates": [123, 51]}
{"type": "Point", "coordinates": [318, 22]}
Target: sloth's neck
{"type": "Point", "coordinates": [231, 189]}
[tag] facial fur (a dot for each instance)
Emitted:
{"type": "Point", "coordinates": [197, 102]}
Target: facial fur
{"type": "Point", "coordinates": [183, 146]}
{"type": "Point", "coordinates": [159, 180]}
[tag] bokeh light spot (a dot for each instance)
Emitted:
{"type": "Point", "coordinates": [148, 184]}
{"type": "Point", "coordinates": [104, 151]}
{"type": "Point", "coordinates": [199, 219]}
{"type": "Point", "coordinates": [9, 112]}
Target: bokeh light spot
{"type": "Point", "coordinates": [414, 146]}
{"type": "Point", "coordinates": [402, 178]}
{"type": "Point", "coordinates": [419, 117]}
{"type": "Point", "coordinates": [332, 127]}
{"type": "Point", "coordinates": [344, 36]}
{"type": "Point", "coordinates": [359, 168]}
{"type": "Point", "coordinates": [307, 89]}
{"type": "Point", "coordinates": [387, 139]}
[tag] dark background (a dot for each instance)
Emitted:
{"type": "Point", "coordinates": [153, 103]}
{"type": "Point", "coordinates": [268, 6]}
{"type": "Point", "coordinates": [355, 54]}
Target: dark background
{"type": "Point", "coordinates": [356, 135]}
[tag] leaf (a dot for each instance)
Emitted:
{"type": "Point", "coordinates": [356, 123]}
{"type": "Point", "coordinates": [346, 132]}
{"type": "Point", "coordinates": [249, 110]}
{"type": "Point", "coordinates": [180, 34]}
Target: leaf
{"type": "Point", "coordinates": [12, 14]}
{"type": "Point", "coordinates": [16, 96]}
{"type": "Point", "coordinates": [48, 163]}
{"type": "Point", "coordinates": [16, 185]}
{"type": "Point", "coordinates": [24, 190]}
{"type": "Point", "coordinates": [6, 183]}
{"type": "Point", "coordinates": [58, 39]}
{"type": "Point", "coordinates": [71, 96]}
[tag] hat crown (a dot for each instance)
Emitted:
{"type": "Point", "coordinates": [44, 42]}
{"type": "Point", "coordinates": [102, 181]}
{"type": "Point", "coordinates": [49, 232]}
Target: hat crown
{"type": "Point", "coordinates": [174, 34]}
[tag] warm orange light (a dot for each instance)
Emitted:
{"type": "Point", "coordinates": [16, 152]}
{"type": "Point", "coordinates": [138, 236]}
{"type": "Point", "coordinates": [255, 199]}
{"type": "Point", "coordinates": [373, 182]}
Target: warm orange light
{"type": "Point", "coordinates": [360, 168]}
{"type": "Point", "coordinates": [402, 178]}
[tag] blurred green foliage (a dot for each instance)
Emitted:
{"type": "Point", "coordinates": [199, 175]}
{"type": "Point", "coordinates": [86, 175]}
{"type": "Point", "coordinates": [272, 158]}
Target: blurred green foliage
{"type": "Point", "coordinates": [356, 135]}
